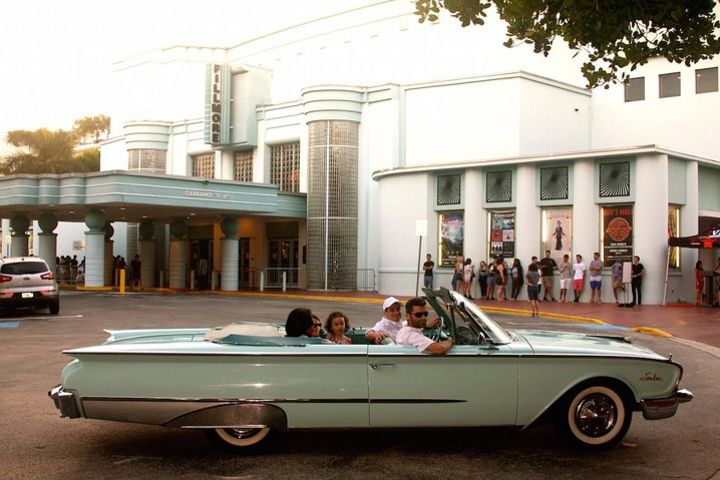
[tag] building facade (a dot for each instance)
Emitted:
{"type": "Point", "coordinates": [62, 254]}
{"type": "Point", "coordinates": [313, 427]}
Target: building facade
{"type": "Point", "coordinates": [359, 124]}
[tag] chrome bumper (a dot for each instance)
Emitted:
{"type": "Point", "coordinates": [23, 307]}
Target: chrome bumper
{"type": "Point", "coordinates": [65, 402]}
{"type": "Point", "coordinates": [659, 408]}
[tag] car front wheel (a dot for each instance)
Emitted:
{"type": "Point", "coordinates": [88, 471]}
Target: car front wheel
{"type": "Point", "coordinates": [237, 438]}
{"type": "Point", "coordinates": [595, 417]}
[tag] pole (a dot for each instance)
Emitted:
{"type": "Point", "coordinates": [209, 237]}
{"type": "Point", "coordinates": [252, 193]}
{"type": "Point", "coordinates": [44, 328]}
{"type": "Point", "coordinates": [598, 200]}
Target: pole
{"type": "Point", "coordinates": [417, 279]}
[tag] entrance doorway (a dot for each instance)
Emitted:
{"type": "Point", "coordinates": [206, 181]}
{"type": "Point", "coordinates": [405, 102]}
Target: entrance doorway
{"type": "Point", "coordinates": [201, 261]}
{"type": "Point", "coordinates": [283, 257]}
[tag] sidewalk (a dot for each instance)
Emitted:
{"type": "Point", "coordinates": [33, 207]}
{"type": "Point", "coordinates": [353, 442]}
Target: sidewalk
{"type": "Point", "coordinates": [700, 324]}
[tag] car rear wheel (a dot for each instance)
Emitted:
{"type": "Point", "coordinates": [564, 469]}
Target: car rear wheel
{"type": "Point", "coordinates": [55, 308]}
{"type": "Point", "coordinates": [595, 417]}
{"type": "Point", "coordinates": [237, 438]}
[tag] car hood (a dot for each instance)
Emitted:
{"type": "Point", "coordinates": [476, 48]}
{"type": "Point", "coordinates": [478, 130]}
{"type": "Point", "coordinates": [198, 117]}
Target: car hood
{"type": "Point", "coordinates": [577, 344]}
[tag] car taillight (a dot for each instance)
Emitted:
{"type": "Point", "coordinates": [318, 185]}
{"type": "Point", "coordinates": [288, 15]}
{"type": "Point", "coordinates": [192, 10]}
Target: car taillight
{"type": "Point", "coordinates": [5, 278]}
{"type": "Point", "coordinates": [47, 276]}
{"type": "Point", "coordinates": [46, 292]}
{"type": "Point", "coordinates": [6, 294]}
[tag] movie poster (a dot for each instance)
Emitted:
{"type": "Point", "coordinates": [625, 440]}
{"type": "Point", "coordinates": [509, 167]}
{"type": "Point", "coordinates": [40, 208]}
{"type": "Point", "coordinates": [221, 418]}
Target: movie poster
{"type": "Point", "coordinates": [502, 234]}
{"type": "Point", "coordinates": [452, 226]}
{"type": "Point", "coordinates": [617, 234]}
{"type": "Point", "coordinates": [557, 233]}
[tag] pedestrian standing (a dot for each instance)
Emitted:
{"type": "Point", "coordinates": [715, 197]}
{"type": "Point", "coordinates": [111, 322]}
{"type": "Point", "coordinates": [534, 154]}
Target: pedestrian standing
{"type": "Point", "coordinates": [617, 273]}
{"type": "Point", "coordinates": [548, 267]}
{"type": "Point", "coordinates": [716, 274]}
{"type": "Point", "coordinates": [699, 282]}
{"type": "Point", "coordinates": [565, 271]}
{"type": "Point", "coordinates": [532, 279]}
{"type": "Point", "coordinates": [491, 279]}
{"type": "Point", "coordinates": [578, 277]}
{"type": "Point", "coordinates": [73, 268]}
{"type": "Point", "coordinates": [638, 271]}
{"type": "Point", "coordinates": [516, 273]}
{"type": "Point", "coordinates": [482, 279]}
{"type": "Point", "coordinates": [468, 275]}
{"type": "Point", "coordinates": [428, 271]}
{"type": "Point", "coordinates": [501, 278]}
{"type": "Point", "coordinates": [135, 269]}
{"type": "Point", "coordinates": [595, 278]}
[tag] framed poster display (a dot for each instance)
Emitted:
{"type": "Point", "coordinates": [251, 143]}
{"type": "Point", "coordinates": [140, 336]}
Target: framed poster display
{"type": "Point", "coordinates": [557, 232]}
{"type": "Point", "coordinates": [502, 233]}
{"type": "Point", "coordinates": [451, 237]}
{"type": "Point", "coordinates": [617, 234]}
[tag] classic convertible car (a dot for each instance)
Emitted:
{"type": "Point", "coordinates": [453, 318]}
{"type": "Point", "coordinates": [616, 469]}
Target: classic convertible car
{"type": "Point", "coordinates": [239, 382]}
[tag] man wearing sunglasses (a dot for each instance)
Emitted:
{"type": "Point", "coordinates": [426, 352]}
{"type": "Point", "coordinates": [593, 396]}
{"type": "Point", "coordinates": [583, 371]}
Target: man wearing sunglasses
{"type": "Point", "coordinates": [412, 334]}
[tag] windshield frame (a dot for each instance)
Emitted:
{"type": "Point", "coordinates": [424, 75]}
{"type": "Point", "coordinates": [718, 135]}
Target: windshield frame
{"type": "Point", "coordinates": [497, 334]}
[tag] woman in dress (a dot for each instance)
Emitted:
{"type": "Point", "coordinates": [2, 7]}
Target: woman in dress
{"type": "Point", "coordinates": [468, 274]}
{"type": "Point", "coordinates": [501, 279]}
{"type": "Point", "coordinates": [458, 279]}
{"type": "Point", "coordinates": [516, 273]}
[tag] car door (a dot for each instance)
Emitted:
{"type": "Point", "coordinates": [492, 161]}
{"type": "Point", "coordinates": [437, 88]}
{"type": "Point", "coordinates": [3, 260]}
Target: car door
{"type": "Point", "coordinates": [469, 386]}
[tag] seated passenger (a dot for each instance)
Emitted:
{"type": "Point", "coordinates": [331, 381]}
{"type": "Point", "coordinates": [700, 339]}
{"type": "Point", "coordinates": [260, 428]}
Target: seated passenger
{"type": "Point", "coordinates": [412, 334]}
{"type": "Point", "coordinates": [299, 323]}
{"type": "Point", "coordinates": [388, 326]}
{"type": "Point", "coordinates": [317, 327]}
{"type": "Point", "coordinates": [336, 326]}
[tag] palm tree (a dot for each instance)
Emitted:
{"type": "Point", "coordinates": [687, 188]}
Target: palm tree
{"type": "Point", "coordinates": [44, 151]}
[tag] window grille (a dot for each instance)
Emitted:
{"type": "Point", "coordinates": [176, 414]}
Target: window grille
{"type": "Point", "coordinates": [449, 190]}
{"type": "Point", "coordinates": [498, 186]}
{"type": "Point", "coordinates": [285, 166]}
{"type": "Point", "coordinates": [244, 166]}
{"type": "Point", "coordinates": [614, 179]}
{"type": "Point", "coordinates": [554, 183]}
{"type": "Point", "coordinates": [203, 166]}
{"type": "Point", "coordinates": [146, 160]}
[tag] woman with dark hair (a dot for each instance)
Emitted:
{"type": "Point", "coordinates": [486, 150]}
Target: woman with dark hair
{"type": "Point", "coordinates": [299, 323]}
{"type": "Point", "coordinates": [699, 282]}
{"type": "Point", "coordinates": [516, 273]}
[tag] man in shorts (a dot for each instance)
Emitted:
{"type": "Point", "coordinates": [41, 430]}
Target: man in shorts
{"type": "Point", "coordinates": [565, 270]}
{"type": "Point", "coordinates": [595, 278]}
{"type": "Point", "coordinates": [578, 277]}
{"type": "Point", "coordinates": [547, 267]}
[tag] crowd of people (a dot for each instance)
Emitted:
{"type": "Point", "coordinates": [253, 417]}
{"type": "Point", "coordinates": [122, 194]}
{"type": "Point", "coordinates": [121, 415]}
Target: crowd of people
{"type": "Point", "coordinates": [498, 277]}
{"type": "Point", "coordinates": [69, 269]}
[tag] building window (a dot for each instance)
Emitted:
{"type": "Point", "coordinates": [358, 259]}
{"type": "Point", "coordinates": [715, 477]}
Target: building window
{"type": "Point", "coordinates": [501, 225]}
{"type": "Point", "coordinates": [146, 160]}
{"type": "Point", "coordinates": [449, 190]}
{"type": "Point", "coordinates": [498, 186]}
{"type": "Point", "coordinates": [674, 231]}
{"type": "Point", "coordinates": [285, 166]}
{"type": "Point", "coordinates": [614, 179]}
{"type": "Point", "coordinates": [706, 80]}
{"type": "Point", "coordinates": [244, 166]}
{"type": "Point", "coordinates": [203, 166]}
{"type": "Point", "coordinates": [451, 237]}
{"type": "Point", "coordinates": [635, 89]}
{"type": "Point", "coordinates": [670, 85]}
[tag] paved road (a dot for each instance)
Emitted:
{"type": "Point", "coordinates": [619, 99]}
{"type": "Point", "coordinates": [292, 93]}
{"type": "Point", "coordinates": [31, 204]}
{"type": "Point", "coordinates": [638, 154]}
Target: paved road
{"type": "Point", "coordinates": [37, 444]}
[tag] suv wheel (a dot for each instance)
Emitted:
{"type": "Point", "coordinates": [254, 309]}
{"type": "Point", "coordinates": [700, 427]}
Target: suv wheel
{"type": "Point", "coordinates": [55, 308]}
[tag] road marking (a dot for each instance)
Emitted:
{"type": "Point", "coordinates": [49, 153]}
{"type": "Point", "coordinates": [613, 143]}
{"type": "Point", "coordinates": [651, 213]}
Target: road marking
{"type": "Point", "coordinates": [51, 317]}
{"type": "Point", "coordinates": [9, 324]}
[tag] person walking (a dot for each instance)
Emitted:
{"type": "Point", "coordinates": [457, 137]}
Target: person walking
{"type": "Point", "coordinates": [638, 271]}
{"type": "Point", "coordinates": [578, 277]}
{"type": "Point", "coordinates": [428, 271]}
{"type": "Point", "coordinates": [532, 279]}
{"type": "Point", "coordinates": [565, 271]}
{"type": "Point", "coordinates": [482, 279]}
{"type": "Point", "coordinates": [547, 268]}
{"type": "Point", "coordinates": [699, 282]}
{"type": "Point", "coordinates": [516, 273]}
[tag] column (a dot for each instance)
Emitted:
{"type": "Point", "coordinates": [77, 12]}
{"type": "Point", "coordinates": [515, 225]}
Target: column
{"type": "Point", "coordinates": [95, 249]}
{"type": "Point", "coordinates": [475, 244]}
{"type": "Point", "coordinates": [586, 221]}
{"type": "Point", "coordinates": [146, 250]}
{"type": "Point", "coordinates": [178, 254]}
{"type": "Point", "coordinates": [229, 280]}
{"type": "Point", "coordinates": [19, 225]}
{"type": "Point", "coordinates": [651, 223]}
{"type": "Point", "coordinates": [47, 240]}
{"type": "Point", "coordinates": [108, 255]}
{"type": "Point", "coordinates": [689, 226]}
{"type": "Point", "coordinates": [527, 223]}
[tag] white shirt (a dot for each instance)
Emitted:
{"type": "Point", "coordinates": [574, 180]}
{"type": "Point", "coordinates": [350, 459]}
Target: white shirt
{"type": "Point", "coordinates": [579, 269]}
{"type": "Point", "coordinates": [388, 328]}
{"type": "Point", "coordinates": [413, 336]}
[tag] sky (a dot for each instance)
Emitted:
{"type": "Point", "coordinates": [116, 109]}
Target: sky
{"type": "Point", "coordinates": [56, 57]}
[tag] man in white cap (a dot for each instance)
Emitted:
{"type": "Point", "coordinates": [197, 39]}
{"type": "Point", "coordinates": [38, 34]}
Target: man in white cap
{"type": "Point", "coordinates": [389, 324]}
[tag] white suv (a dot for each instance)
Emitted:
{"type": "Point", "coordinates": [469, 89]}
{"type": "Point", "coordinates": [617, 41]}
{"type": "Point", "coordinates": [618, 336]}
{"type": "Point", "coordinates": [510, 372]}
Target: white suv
{"type": "Point", "coordinates": [28, 282]}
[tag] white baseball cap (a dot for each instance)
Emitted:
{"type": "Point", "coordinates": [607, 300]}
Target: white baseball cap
{"type": "Point", "coordinates": [389, 302]}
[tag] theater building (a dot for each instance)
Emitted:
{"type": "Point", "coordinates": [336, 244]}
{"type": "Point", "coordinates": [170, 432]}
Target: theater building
{"type": "Point", "coordinates": [318, 149]}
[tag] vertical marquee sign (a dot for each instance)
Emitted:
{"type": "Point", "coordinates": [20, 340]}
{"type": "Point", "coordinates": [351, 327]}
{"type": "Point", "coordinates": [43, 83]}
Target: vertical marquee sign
{"type": "Point", "coordinates": [617, 234]}
{"type": "Point", "coordinates": [217, 104]}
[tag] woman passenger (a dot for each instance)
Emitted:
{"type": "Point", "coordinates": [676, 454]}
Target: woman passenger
{"type": "Point", "coordinates": [336, 325]}
{"type": "Point", "coordinates": [299, 323]}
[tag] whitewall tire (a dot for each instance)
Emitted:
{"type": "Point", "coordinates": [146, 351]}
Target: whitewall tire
{"type": "Point", "coordinates": [596, 417]}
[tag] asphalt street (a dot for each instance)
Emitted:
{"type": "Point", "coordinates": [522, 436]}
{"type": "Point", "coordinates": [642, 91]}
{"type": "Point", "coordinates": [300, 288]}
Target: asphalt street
{"type": "Point", "coordinates": [38, 444]}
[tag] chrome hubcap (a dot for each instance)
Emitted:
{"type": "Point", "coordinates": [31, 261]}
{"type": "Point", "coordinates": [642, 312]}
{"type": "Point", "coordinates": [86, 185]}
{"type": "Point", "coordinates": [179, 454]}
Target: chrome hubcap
{"type": "Point", "coordinates": [242, 433]}
{"type": "Point", "coordinates": [596, 415]}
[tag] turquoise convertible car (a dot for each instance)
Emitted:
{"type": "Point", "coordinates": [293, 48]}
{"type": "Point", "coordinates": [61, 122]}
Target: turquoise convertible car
{"type": "Point", "coordinates": [242, 381]}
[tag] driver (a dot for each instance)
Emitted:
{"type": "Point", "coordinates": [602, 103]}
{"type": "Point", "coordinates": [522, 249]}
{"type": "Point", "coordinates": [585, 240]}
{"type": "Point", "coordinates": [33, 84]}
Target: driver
{"type": "Point", "coordinates": [416, 314]}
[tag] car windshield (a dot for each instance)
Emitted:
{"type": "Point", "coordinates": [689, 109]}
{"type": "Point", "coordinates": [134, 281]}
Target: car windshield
{"type": "Point", "coordinates": [475, 318]}
{"type": "Point", "coordinates": [24, 268]}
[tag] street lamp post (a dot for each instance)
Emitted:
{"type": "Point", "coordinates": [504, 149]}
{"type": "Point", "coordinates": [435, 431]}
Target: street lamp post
{"type": "Point", "coordinates": [420, 231]}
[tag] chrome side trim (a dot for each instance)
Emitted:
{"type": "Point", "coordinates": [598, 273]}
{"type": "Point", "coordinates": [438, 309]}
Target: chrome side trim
{"type": "Point", "coordinates": [266, 400]}
{"type": "Point", "coordinates": [233, 416]}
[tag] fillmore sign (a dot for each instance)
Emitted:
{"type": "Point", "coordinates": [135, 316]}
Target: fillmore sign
{"type": "Point", "coordinates": [617, 234]}
{"type": "Point", "coordinates": [217, 103]}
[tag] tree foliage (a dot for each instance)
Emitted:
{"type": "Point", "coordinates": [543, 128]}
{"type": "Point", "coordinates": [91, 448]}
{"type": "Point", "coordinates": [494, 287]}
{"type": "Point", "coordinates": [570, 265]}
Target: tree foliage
{"type": "Point", "coordinates": [92, 129]}
{"type": "Point", "coordinates": [616, 34]}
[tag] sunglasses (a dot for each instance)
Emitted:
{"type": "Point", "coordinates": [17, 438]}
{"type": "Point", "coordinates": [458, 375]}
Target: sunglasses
{"type": "Point", "coordinates": [420, 314]}
{"type": "Point", "coordinates": [317, 325]}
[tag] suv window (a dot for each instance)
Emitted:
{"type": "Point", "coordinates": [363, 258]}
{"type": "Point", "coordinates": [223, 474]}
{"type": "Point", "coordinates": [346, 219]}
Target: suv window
{"type": "Point", "coordinates": [24, 268]}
